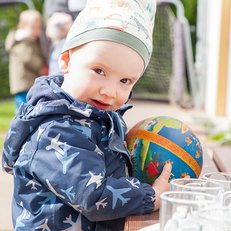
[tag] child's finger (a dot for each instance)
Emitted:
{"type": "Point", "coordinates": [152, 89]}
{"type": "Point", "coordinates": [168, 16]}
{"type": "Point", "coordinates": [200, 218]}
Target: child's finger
{"type": "Point", "coordinates": [166, 173]}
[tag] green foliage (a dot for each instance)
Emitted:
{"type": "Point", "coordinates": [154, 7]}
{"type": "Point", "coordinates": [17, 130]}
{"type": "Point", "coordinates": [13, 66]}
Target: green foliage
{"type": "Point", "coordinates": [219, 132]}
{"type": "Point", "coordinates": [222, 137]}
{"type": "Point", "coordinates": [190, 7]}
{"type": "Point", "coordinates": [38, 5]}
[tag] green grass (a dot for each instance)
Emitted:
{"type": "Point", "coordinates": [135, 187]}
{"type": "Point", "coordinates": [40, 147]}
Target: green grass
{"type": "Point", "coordinates": [7, 112]}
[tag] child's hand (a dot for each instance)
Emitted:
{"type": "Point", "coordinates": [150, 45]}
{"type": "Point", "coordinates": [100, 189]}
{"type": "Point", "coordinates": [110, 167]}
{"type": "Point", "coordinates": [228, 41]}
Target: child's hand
{"type": "Point", "coordinates": [161, 184]}
{"type": "Point", "coordinates": [21, 34]}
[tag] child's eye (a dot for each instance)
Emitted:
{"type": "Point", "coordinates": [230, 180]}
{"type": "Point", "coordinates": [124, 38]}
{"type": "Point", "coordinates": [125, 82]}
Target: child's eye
{"type": "Point", "coordinates": [126, 81]}
{"type": "Point", "coordinates": [99, 71]}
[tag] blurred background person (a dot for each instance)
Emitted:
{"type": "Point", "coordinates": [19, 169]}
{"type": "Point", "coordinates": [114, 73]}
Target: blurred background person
{"type": "Point", "coordinates": [57, 28]}
{"type": "Point", "coordinates": [26, 59]}
{"type": "Point", "coordinates": [72, 7]}
{"type": "Point", "coordinates": [59, 15]}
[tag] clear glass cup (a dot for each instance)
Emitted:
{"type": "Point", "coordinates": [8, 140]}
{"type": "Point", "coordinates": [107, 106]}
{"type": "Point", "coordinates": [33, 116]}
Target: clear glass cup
{"type": "Point", "coordinates": [198, 185]}
{"type": "Point", "coordinates": [215, 219]}
{"type": "Point", "coordinates": [227, 199]}
{"type": "Point", "coordinates": [178, 209]}
{"type": "Point", "coordinates": [223, 178]}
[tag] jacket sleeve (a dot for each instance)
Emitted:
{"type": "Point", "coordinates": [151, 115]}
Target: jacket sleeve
{"type": "Point", "coordinates": [73, 168]}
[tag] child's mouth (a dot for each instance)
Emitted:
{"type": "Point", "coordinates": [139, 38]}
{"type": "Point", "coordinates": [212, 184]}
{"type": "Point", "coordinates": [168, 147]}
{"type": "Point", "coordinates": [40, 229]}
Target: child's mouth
{"type": "Point", "coordinates": [101, 105]}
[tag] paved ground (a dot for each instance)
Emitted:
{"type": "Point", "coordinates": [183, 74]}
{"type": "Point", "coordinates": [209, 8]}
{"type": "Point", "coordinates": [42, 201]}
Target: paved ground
{"type": "Point", "coordinates": [141, 110]}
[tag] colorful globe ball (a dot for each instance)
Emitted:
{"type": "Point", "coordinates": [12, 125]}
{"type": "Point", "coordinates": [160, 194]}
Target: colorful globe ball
{"type": "Point", "coordinates": [157, 140]}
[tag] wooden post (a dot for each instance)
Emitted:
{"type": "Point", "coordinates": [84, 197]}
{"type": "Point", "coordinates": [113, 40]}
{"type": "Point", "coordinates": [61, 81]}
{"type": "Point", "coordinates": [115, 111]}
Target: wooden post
{"type": "Point", "coordinates": [223, 58]}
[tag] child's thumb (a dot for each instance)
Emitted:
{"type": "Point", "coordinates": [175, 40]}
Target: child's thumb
{"type": "Point", "coordinates": [161, 184]}
{"type": "Point", "coordinates": [166, 172]}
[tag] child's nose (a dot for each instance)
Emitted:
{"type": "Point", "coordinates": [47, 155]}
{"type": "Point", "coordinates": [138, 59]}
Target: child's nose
{"type": "Point", "coordinates": [108, 90]}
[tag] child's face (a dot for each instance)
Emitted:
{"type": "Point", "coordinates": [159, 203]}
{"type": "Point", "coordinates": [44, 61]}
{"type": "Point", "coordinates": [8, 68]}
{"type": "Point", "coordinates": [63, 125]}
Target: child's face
{"type": "Point", "coordinates": [33, 27]}
{"type": "Point", "coordinates": [36, 28]}
{"type": "Point", "coordinates": [102, 73]}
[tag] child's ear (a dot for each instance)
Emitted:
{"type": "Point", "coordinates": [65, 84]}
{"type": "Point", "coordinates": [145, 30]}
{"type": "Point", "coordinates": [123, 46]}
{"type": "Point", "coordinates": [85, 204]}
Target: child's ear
{"type": "Point", "coordinates": [64, 62]}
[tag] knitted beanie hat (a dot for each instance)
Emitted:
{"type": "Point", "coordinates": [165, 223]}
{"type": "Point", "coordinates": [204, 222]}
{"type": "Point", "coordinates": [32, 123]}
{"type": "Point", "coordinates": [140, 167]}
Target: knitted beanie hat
{"type": "Point", "coordinates": [129, 22]}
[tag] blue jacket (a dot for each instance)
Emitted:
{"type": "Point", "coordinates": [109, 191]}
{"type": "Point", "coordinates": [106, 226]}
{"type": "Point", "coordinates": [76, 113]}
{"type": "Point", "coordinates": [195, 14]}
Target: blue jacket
{"type": "Point", "coordinates": [70, 164]}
